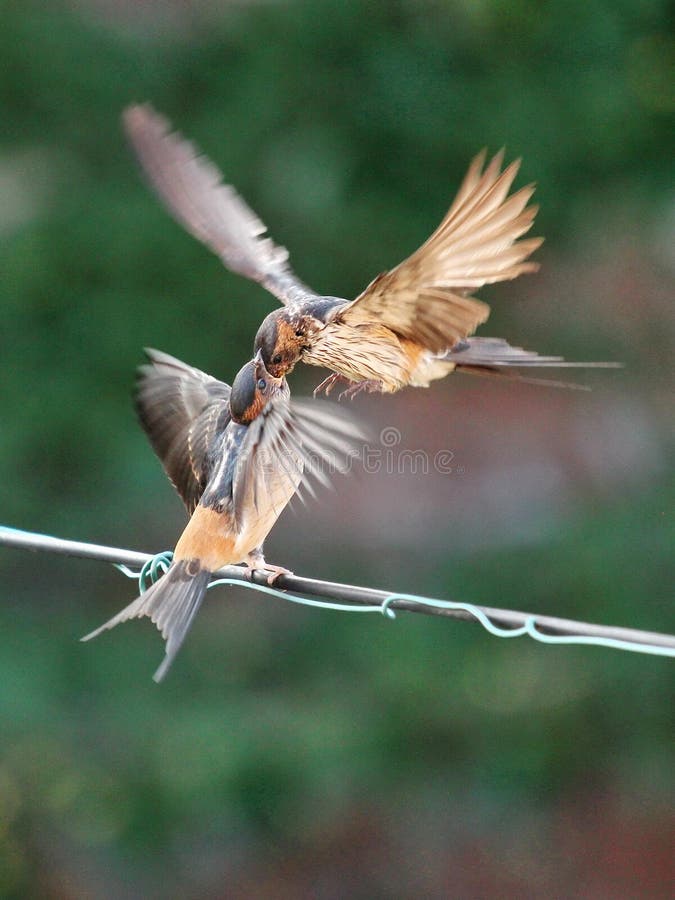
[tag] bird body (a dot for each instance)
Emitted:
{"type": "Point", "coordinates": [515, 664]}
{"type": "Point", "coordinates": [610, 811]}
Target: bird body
{"type": "Point", "coordinates": [367, 352]}
{"type": "Point", "coordinates": [359, 350]}
{"type": "Point", "coordinates": [401, 329]}
{"type": "Point", "coordinates": [236, 457]}
{"type": "Point", "coordinates": [353, 347]}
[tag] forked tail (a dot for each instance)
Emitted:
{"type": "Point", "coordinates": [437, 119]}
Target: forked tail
{"type": "Point", "coordinates": [495, 357]}
{"type": "Point", "coordinates": [171, 603]}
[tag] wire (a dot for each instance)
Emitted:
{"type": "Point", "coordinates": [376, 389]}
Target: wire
{"type": "Point", "coordinates": [505, 623]}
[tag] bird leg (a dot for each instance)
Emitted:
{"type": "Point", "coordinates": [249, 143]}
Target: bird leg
{"type": "Point", "coordinates": [329, 383]}
{"type": "Point", "coordinates": [370, 385]}
{"type": "Point", "coordinates": [256, 563]}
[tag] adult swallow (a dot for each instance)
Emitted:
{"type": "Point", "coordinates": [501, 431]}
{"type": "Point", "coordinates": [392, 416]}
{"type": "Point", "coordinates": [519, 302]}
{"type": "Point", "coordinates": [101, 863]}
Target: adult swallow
{"type": "Point", "coordinates": [412, 324]}
{"type": "Point", "coordinates": [236, 456]}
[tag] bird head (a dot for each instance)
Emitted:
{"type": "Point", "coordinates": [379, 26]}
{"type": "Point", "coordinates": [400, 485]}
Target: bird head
{"type": "Point", "coordinates": [281, 340]}
{"type": "Point", "coordinates": [252, 389]}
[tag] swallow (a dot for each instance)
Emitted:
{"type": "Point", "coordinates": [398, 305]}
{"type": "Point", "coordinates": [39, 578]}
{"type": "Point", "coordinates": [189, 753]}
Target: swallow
{"type": "Point", "coordinates": [412, 324]}
{"type": "Point", "coordinates": [236, 457]}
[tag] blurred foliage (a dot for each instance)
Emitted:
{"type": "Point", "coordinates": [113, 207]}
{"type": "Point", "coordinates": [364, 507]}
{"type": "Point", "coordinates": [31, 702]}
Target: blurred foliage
{"type": "Point", "coordinates": [286, 740]}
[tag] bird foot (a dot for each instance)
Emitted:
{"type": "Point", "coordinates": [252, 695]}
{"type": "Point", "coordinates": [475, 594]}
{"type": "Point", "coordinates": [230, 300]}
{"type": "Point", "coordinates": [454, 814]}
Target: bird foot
{"type": "Point", "coordinates": [370, 385]}
{"type": "Point", "coordinates": [272, 572]}
{"type": "Point", "coordinates": [328, 384]}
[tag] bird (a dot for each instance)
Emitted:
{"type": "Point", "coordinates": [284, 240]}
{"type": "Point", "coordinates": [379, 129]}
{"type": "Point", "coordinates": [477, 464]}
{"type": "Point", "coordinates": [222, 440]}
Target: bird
{"type": "Point", "coordinates": [236, 457]}
{"type": "Point", "coordinates": [412, 324]}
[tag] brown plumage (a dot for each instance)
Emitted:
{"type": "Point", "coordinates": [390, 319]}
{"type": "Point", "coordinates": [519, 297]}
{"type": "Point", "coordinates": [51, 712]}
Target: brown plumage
{"type": "Point", "coordinates": [412, 324]}
{"type": "Point", "coordinates": [236, 457]}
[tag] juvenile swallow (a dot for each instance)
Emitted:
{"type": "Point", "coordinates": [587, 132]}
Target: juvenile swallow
{"type": "Point", "coordinates": [236, 456]}
{"type": "Point", "coordinates": [412, 324]}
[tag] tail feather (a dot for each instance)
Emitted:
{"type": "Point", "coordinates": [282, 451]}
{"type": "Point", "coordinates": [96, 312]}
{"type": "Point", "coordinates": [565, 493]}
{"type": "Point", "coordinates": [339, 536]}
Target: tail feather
{"type": "Point", "coordinates": [497, 358]}
{"type": "Point", "coordinates": [171, 603]}
{"type": "Point", "coordinates": [512, 375]}
{"type": "Point", "coordinates": [496, 352]}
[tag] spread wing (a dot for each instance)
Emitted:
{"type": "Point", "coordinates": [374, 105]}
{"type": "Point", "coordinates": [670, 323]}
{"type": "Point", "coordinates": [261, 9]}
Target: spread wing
{"type": "Point", "coordinates": [425, 297]}
{"type": "Point", "coordinates": [182, 411]}
{"type": "Point", "coordinates": [192, 189]}
{"type": "Point", "coordinates": [290, 444]}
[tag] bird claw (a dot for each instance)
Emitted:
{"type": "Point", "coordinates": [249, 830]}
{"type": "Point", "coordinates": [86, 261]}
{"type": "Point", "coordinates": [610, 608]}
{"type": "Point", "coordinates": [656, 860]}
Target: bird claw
{"type": "Point", "coordinates": [370, 385]}
{"type": "Point", "coordinates": [272, 572]}
{"type": "Point", "coordinates": [275, 572]}
{"type": "Point", "coordinates": [328, 384]}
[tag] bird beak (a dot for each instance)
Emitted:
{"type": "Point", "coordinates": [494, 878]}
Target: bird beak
{"type": "Point", "coordinates": [257, 359]}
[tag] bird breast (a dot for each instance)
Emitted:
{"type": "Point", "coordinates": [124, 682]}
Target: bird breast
{"type": "Point", "coordinates": [365, 351]}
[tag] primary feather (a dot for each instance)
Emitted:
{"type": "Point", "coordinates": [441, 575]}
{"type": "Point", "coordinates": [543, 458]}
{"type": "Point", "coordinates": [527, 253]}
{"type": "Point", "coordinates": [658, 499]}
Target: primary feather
{"type": "Point", "coordinates": [424, 298]}
{"type": "Point", "coordinates": [192, 189]}
{"type": "Point", "coordinates": [183, 411]}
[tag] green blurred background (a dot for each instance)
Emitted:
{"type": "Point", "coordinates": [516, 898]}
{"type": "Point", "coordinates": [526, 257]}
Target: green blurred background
{"type": "Point", "coordinates": [298, 753]}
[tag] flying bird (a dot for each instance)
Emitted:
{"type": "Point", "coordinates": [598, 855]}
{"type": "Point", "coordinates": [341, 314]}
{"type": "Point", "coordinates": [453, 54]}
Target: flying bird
{"type": "Point", "coordinates": [236, 456]}
{"type": "Point", "coordinates": [412, 324]}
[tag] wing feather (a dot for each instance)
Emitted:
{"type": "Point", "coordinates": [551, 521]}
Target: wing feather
{"type": "Point", "coordinates": [182, 411]}
{"type": "Point", "coordinates": [477, 243]}
{"type": "Point", "coordinates": [192, 189]}
{"type": "Point", "coordinates": [288, 445]}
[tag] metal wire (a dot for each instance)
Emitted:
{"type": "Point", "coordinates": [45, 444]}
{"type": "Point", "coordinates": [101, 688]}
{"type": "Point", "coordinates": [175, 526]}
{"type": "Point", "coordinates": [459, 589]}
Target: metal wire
{"type": "Point", "coordinates": [347, 597]}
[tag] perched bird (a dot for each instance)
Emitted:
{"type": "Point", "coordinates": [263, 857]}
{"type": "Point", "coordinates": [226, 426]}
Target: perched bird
{"type": "Point", "coordinates": [236, 457]}
{"type": "Point", "coordinates": [411, 325]}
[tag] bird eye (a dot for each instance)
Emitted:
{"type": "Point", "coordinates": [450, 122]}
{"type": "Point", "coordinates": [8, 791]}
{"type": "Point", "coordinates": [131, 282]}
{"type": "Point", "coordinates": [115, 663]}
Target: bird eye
{"type": "Point", "coordinates": [262, 384]}
{"type": "Point", "coordinates": [299, 333]}
{"type": "Point", "coordinates": [276, 359]}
